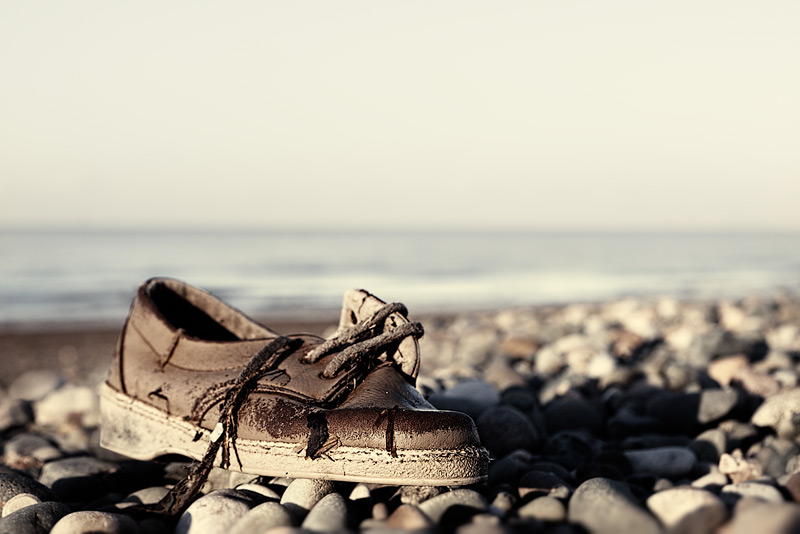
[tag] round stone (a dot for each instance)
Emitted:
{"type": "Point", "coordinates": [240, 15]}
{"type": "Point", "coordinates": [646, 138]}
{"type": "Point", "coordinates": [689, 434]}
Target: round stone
{"type": "Point", "coordinates": [436, 507]}
{"type": "Point", "coordinates": [93, 521]}
{"type": "Point", "coordinates": [506, 429]}
{"type": "Point", "coordinates": [13, 483]}
{"type": "Point", "coordinates": [262, 518]}
{"type": "Point", "coordinates": [303, 493]}
{"type": "Point", "coordinates": [328, 515]}
{"type": "Point", "coordinates": [34, 519]}
{"type": "Point", "coordinates": [18, 502]}
{"type": "Point", "coordinates": [603, 506]}
{"type": "Point", "coordinates": [669, 462]}
{"type": "Point", "coordinates": [544, 509]}
{"type": "Point", "coordinates": [34, 385]}
{"type": "Point", "coordinates": [780, 412]}
{"type": "Point", "coordinates": [214, 513]}
{"type": "Point", "coordinates": [688, 510]}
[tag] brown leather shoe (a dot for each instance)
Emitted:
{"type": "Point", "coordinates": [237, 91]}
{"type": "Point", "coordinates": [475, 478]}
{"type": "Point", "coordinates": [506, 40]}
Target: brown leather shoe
{"type": "Point", "coordinates": [194, 376]}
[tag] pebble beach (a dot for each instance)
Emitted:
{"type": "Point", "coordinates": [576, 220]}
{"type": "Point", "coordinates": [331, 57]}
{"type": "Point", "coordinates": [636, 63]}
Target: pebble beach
{"type": "Point", "coordinates": [657, 415]}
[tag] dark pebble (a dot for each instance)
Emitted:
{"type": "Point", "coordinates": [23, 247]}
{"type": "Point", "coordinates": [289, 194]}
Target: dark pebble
{"type": "Point", "coordinates": [13, 482]}
{"type": "Point", "coordinates": [506, 429]}
{"type": "Point", "coordinates": [574, 414]}
{"type": "Point", "coordinates": [34, 519]}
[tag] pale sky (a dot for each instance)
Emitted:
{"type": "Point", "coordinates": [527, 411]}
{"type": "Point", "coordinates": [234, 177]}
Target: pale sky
{"type": "Point", "coordinates": [535, 114]}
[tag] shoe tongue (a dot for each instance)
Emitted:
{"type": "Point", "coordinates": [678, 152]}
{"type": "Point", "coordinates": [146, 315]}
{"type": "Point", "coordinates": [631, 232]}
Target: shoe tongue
{"type": "Point", "coordinates": [358, 305]}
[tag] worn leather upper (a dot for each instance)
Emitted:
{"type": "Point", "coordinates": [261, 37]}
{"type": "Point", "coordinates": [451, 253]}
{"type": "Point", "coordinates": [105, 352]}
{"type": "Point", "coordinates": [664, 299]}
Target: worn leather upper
{"type": "Point", "coordinates": [182, 349]}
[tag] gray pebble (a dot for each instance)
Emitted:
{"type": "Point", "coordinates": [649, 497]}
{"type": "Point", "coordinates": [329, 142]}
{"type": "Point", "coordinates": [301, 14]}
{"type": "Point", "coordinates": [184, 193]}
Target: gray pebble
{"type": "Point", "coordinates": [716, 404]}
{"type": "Point", "coordinates": [92, 522]}
{"type": "Point", "coordinates": [436, 507]}
{"type": "Point", "coordinates": [34, 519]}
{"type": "Point", "coordinates": [18, 502]}
{"type": "Point", "coordinates": [76, 479]}
{"type": "Point", "coordinates": [604, 506]}
{"type": "Point", "coordinates": [34, 385]}
{"type": "Point", "coordinates": [765, 492]}
{"type": "Point", "coordinates": [13, 483]}
{"type": "Point", "coordinates": [263, 517]}
{"type": "Point", "coordinates": [14, 413]}
{"type": "Point", "coordinates": [303, 493]}
{"type": "Point", "coordinates": [504, 502]}
{"type": "Point", "coordinates": [328, 515]}
{"type": "Point", "coordinates": [214, 513]}
{"type": "Point", "coordinates": [688, 510]}
{"type": "Point", "coordinates": [25, 447]}
{"type": "Point", "coordinates": [544, 509]}
{"type": "Point", "coordinates": [670, 462]}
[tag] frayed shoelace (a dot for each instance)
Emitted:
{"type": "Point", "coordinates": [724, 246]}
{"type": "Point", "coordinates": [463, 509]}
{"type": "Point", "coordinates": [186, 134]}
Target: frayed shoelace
{"type": "Point", "coordinates": [358, 347]}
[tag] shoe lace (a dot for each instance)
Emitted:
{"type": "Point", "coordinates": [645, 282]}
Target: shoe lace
{"type": "Point", "coordinates": [358, 347]}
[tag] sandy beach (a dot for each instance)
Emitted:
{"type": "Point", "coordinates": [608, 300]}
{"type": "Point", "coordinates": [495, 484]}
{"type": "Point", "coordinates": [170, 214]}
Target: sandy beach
{"type": "Point", "coordinates": [677, 415]}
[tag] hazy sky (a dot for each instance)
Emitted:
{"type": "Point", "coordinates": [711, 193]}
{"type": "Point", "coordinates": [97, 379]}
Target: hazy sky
{"type": "Point", "coordinates": [550, 114]}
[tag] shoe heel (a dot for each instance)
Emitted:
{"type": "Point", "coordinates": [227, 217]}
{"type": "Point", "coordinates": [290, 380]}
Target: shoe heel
{"type": "Point", "coordinates": [134, 429]}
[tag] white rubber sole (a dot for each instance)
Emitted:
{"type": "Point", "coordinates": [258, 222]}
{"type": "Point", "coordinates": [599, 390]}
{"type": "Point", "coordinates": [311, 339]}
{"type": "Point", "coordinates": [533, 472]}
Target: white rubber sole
{"type": "Point", "coordinates": [138, 430]}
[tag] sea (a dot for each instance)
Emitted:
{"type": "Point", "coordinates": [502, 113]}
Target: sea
{"type": "Point", "coordinates": [66, 276]}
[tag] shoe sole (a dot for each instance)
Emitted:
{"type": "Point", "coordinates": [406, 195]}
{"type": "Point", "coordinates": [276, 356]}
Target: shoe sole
{"type": "Point", "coordinates": [140, 431]}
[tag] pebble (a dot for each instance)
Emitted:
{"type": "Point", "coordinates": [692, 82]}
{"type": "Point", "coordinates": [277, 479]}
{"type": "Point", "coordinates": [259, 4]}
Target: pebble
{"type": "Point", "coordinates": [13, 483]}
{"type": "Point", "coordinates": [68, 403]}
{"type": "Point", "coordinates": [574, 414]}
{"type": "Point", "coordinates": [263, 492]}
{"type": "Point", "coordinates": [708, 446]}
{"type": "Point", "coordinates": [34, 519]}
{"type": "Point", "coordinates": [24, 448]}
{"type": "Point", "coordinates": [149, 495]}
{"type": "Point", "coordinates": [688, 510]}
{"type": "Point", "coordinates": [544, 509]}
{"type": "Point", "coordinates": [18, 502]}
{"type": "Point", "coordinates": [670, 462]}
{"type": "Point", "coordinates": [34, 385]}
{"type": "Point", "coordinates": [783, 518]}
{"type": "Point", "coordinates": [75, 479]}
{"type": "Point", "coordinates": [738, 468]}
{"type": "Point", "coordinates": [780, 412]}
{"type": "Point", "coordinates": [540, 483]}
{"type": "Point", "coordinates": [214, 513]}
{"type": "Point", "coordinates": [604, 506]}
{"type": "Point", "coordinates": [14, 413]}
{"type": "Point", "coordinates": [330, 514]}
{"type": "Point", "coordinates": [506, 429]}
{"type": "Point", "coordinates": [263, 517]}
{"type": "Point", "coordinates": [303, 493]}
{"type": "Point", "coordinates": [409, 517]}
{"type": "Point", "coordinates": [93, 522]}
{"type": "Point", "coordinates": [436, 507]}
{"type": "Point", "coordinates": [626, 401]}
